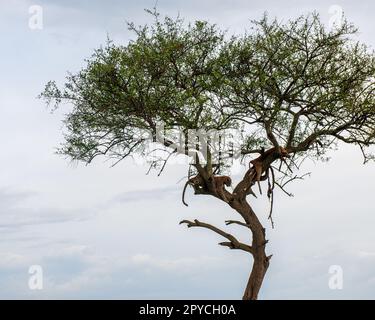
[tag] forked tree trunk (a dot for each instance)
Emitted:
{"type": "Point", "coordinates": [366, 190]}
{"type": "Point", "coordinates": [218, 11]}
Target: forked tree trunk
{"type": "Point", "coordinates": [259, 171]}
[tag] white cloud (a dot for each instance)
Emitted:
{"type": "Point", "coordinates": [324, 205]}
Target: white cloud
{"type": "Point", "coordinates": [15, 212]}
{"type": "Point", "coordinates": [365, 254]}
{"type": "Point", "coordinates": [178, 264]}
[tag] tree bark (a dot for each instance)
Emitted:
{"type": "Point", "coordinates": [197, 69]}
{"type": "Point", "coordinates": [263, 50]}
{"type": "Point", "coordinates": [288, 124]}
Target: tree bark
{"type": "Point", "coordinates": [261, 260]}
{"type": "Point", "coordinates": [257, 274]}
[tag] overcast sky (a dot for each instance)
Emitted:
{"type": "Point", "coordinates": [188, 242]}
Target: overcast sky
{"type": "Point", "coordinates": [101, 232]}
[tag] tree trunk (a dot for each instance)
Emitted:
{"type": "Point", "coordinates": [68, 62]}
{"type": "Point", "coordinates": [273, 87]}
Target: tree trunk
{"type": "Point", "coordinates": [261, 260]}
{"type": "Point", "coordinates": [257, 274]}
{"type": "Point", "coordinates": [259, 171]}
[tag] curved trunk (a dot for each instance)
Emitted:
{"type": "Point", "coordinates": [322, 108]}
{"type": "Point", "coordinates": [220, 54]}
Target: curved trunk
{"type": "Point", "coordinates": [261, 260]}
{"type": "Point", "coordinates": [259, 171]}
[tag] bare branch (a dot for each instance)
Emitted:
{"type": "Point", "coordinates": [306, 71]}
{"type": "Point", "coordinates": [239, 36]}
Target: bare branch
{"type": "Point", "coordinates": [234, 243]}
{"type": "Point", "coordinates": [228, 222]}
{"type": "Point", "coordinates": [165, 162]}
{"type": "Point", "coordinates": [282, 188]}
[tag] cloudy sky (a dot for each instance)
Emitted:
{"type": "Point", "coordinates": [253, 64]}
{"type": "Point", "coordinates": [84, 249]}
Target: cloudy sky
{"type": "Point", "coordinates": [101, 232]}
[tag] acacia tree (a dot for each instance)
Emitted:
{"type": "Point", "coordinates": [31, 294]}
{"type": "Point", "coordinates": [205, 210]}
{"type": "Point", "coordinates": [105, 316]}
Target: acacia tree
{"type": "Point", "coordinates": [292, 89]}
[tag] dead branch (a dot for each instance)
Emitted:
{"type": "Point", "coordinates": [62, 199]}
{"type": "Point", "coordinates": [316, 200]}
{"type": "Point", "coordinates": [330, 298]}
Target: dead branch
{"type": "Point", "coordinates": [282, 189]}
{"type": "Point", "coordinates": [228, 222]}
{"type": "Point", "coordinates": [233, 244]}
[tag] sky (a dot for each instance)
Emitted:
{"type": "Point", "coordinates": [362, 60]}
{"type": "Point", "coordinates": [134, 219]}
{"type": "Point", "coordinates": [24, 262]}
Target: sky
{"type": "Point", "coordinates": [112, 233]}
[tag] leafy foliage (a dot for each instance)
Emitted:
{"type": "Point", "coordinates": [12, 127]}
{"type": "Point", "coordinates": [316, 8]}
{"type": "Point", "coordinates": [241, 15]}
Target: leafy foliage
{"type": "Point", "coordinates": [295, 85]}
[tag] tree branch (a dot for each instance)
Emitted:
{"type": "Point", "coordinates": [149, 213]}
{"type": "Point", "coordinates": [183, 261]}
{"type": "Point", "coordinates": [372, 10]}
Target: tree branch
{"type": "Point", "coordinates": [228, 222]}
{"type": "Point", "coordinates": [233, 242]}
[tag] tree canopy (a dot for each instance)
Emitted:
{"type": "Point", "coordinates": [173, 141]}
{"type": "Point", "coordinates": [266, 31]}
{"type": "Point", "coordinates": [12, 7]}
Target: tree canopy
{"type": "Point", "coordinates": [294, 84]}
